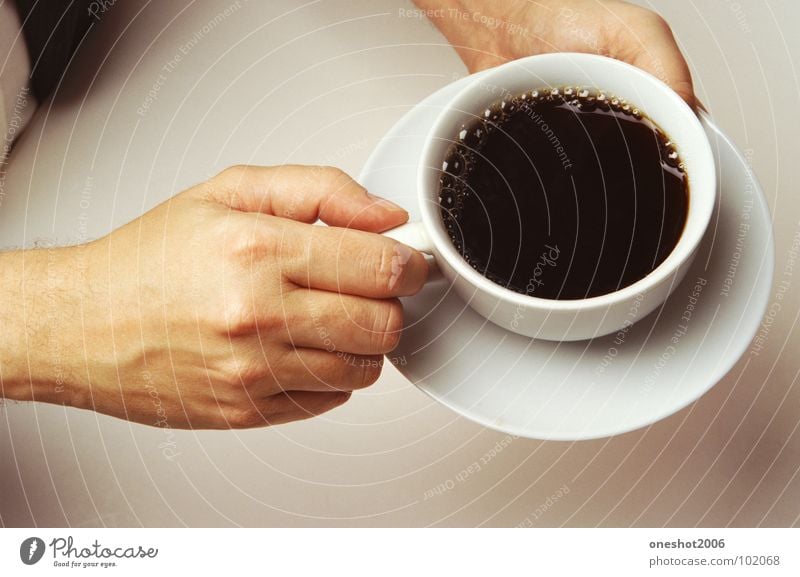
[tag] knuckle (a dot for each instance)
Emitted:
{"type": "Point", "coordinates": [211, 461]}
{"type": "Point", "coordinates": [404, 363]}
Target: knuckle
{"type": "Point", "coordinates": [336, 180]}
{"type": "Point", "coordinates": [388, 324]}
{"type": "Point", "coordinates": [250, 245]}
{"type": "Point", "coordinates": [370, 373]}
{"type": "Point", "coordinates": [335, 175]}
{"type": "Point", "coordinates": [332, 371]}
{"type": "Point", "coordinates": [243, 417]}
{"type": "Point", "coordinates": [649, 17]}
{"type": "Point", "coordinates": [293, 247]}
{"type": "Point", "coordinates": [357, 371]}
{"type": "Point", "coordinates": [239, 317]}
{"type": "Point", "coordinates": [228, 374]}
{"type": "Point", "coordinates": [240, 245]}
{"type": "Point", "coordinates": [227, 183]}
{"type": "Point", "coordinates": [233, 174]}
{"type": "Point", "coordinates": [659, 20]}
{"type": "Point", "coordinates": [251, 372]}
{"type": "Point", "coordinates": [332, 401]}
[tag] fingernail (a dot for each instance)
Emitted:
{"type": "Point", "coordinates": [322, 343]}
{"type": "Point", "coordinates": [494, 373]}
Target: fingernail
{"type": "Point", "coordinates": [402, 254]}
{"type": "Point", "coordinates": [386, 204]}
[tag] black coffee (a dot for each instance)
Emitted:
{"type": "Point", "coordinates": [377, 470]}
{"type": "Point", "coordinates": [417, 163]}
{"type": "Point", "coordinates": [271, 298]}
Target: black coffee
{"type": "Point", "coordinates": [563, 194]}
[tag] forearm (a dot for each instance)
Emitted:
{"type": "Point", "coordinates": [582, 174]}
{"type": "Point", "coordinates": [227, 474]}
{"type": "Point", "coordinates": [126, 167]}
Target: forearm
{"type": "Point", "coordinates": [37, 289]}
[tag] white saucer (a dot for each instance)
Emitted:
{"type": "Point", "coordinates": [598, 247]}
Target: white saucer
{"type": "Point", "coordinates": [586, 389]}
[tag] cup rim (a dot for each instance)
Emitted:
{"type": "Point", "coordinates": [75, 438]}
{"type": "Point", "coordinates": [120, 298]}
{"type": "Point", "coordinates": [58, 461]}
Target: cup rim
{"type": "Point", "coordinates": [687, 243]}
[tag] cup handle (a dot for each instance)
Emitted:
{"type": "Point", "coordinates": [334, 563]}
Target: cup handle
{"type": "Point", "coordinates": [414, 235]}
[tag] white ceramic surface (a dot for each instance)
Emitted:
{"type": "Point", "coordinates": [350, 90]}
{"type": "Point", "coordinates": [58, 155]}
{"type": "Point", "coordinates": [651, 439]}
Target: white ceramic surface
{"type": "Point", "coordinates": [564, 320]}
{"type": "Point", "coordinates": [605, 386]}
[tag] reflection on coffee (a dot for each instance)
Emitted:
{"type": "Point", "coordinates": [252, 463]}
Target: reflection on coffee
{"type": "Point", "coordinates": [563, 193]}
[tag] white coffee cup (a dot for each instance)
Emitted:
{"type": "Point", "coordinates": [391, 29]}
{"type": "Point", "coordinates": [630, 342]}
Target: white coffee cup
{"type": "Point", "coordinates": [550, 319]}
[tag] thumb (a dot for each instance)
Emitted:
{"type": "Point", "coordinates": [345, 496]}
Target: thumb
{"type": "Point", "coordinates": [305, 194]}
{"type": "Point", "coordinates": [667, 64]}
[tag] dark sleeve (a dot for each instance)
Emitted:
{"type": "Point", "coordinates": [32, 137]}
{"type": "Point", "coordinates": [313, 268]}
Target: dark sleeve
{"type": "Point", "coordinates": [53, 30]}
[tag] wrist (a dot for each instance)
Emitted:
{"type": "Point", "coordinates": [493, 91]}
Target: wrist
{"type": "Point", "coordinates": [39, 293]}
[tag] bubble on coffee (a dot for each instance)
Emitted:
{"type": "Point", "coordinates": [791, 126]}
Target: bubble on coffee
{"type": "Point", "coordinates": [563, 192]}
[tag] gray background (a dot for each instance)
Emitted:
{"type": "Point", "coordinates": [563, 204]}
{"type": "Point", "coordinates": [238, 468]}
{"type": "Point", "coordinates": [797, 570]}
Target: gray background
{"type": "Point", "coordinates": [278, 82]}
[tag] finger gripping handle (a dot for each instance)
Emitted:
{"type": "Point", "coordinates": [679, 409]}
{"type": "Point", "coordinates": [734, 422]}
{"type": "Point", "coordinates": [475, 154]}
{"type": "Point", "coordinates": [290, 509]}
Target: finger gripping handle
{"type": "Point", "coordinates": [414, 235]}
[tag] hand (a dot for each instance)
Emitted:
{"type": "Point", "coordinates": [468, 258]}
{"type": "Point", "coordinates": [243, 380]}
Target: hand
{"type": "Point", "coordinates": [224, 307]}
{"type": "Point", "coordinates": [488, 33]}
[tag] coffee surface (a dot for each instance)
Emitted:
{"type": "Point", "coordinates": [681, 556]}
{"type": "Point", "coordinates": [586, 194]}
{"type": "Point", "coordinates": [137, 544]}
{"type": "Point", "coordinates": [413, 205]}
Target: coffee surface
{"type": "Point", "coordinates": [563, 194]}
